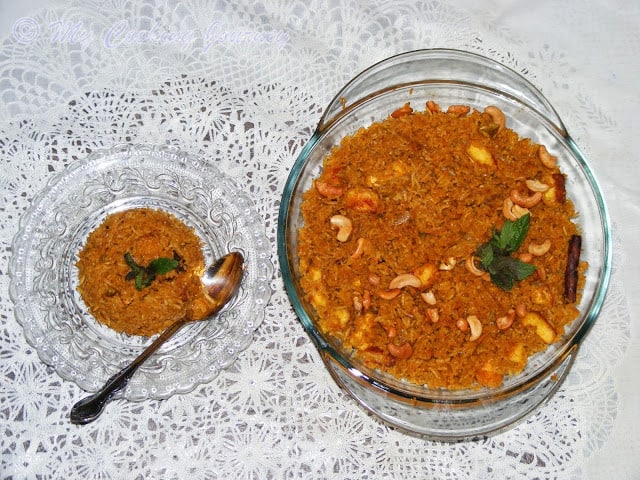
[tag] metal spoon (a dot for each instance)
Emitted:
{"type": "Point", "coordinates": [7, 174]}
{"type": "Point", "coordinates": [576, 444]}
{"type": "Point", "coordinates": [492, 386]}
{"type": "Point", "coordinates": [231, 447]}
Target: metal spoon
{"type": "Point", "coordinates": [221, 282]}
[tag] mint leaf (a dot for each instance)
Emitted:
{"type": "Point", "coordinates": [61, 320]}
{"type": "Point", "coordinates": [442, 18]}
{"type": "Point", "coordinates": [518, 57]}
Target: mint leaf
{"type": "Point", "coordinates": [144, 279]}
{"type": "Point", "coordinates": [502, 279]}
{"type": "Point", "coordinates": [144, 276]}
{"type": "Point", "coordinates": [522, 270]}
{"type": "Point", "coordinates": [512, 234]}
{"type": "Point", "coordinates": [163, 265]}
{"type": "Point", "coordinates": [507, 270]}
{"type": "Point", "coordinates": [135, 268]}
{"type": "Point", "coordinates": [485, 252]}
{"type": "Point", "coordinates": [495, 258]}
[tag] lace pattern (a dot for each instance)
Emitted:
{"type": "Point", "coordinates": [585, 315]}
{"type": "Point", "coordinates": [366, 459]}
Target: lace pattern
{"type": "Point", "coordinates": [249, 106]}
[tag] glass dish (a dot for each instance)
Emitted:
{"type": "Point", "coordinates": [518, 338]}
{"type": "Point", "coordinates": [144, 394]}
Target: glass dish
{"type": "Point", "coordinates": [54, 229]}
{"type": "Point", "coordinates": [449, 77]}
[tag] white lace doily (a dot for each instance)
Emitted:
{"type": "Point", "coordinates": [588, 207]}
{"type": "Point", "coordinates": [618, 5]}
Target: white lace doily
{"type": "Point", "coordinates": [244, 84]}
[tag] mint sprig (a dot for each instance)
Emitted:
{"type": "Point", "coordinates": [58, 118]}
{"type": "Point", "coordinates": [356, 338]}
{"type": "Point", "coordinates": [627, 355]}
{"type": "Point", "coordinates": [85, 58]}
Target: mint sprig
{"type": "Point", "coordinates": [144, 276]}
{"type": "Point", "coordinates": [495, 255]}
{"type": "Point", "coordinates": [509, 239]}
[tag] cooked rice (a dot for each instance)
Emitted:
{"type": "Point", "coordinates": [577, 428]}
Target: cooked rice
{"type": "Point", "coordinates": [146, 234]}
{"type": "Point", "coordinates": [416, 195]}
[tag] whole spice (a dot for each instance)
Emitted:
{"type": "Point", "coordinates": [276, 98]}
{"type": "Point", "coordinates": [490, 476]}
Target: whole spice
{"type": "Point", "coordinates": [571, 272]}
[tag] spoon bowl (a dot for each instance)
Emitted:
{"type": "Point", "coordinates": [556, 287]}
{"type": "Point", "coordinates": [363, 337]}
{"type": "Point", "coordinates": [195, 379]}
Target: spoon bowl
{"type": "Point", "coordinates": [221, 281]}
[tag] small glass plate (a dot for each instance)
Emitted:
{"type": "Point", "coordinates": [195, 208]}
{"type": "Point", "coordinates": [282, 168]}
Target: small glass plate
{"type": "Point", "coordinates": [44, 276]}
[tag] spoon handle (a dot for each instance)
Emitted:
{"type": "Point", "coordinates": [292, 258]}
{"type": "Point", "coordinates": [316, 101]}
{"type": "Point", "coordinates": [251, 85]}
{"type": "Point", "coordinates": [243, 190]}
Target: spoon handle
{"type": "Point", "coordinates": [90, 407]}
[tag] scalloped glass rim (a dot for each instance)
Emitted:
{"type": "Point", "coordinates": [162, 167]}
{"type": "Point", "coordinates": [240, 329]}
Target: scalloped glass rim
{"type": "Point", "coordinates": [43, 276]}
{"type": "Point", "coordinates": [374, 92]}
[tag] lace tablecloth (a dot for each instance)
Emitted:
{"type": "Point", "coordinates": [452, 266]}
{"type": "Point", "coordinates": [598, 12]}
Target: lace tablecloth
{"type": "Point", "coordinates": [243, 84]}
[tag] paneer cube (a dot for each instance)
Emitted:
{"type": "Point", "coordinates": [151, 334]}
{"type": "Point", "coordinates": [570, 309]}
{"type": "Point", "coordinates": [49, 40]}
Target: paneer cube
{"type": "Point", "coordinates": [543, 328]}
{"type": "Point", "coordinates": [426, 273]}
{"type": "Point", "coordinates": [481, 155]}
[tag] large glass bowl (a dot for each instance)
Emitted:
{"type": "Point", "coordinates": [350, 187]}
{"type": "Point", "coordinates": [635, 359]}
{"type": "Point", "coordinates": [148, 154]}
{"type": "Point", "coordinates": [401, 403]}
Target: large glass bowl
{"type": "Point", "coordinates": [449, 77]}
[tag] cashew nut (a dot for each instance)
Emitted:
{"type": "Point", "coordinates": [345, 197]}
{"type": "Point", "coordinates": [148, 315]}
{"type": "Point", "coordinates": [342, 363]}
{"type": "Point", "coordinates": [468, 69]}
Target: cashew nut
{"type": "Point", "coordinates": [433, 107]}
{"type": "Point", "coordinates": [362, 200]}
{"type": "Point", "coordinates": [525, 201]}
{"type": "Point", "coordinates": [539, 249]}
{"type": "Point", "coordinates": [402, 352]}
{"type": "Point", "coordinates": [471, 266]}
{"type": "Point", "coordinates": [546, 158]}
{"type": "Point", "coordinates": [475, 326]}
{"type": "Point", "coordinates": [389, 294]}
{"type": "Point", "coordinates": [513, 211]}
{"type": "Point", "coordinates": [405, 280]}
{"type": "Point", "coordinates": [526, 257]}
{"type": "Point", "coordinates": [374, 280]}
{"type": "Point", "coordinates": [359, 248]}
{"type": "Point", "coordinates": [521, 309]}
{"type": "Point", "coordinates": [506, 321]}
{"type": "Point", "coordinates": [497, 116]}
{"type": "Point", "coordinates": [459, 109]}
{"type": "Point", "coordinates": [537, 186]}
{"type": "Point", "coordinates": [428, 297]}
{"type": "Point", "coordinates": [402, 111]}
{"type": "Point", "coordinates": [366, 300]}
{"type": "Point", "coordinates": [433, 315]}
{"type": "Point", "coordinates": [327, 190]}
{"type": "Point", "coordinates": [449, 264]}
{"type": "Point", "coordinates": [462, 325]}
{"type": "Point", "coordinates": [344, 226]}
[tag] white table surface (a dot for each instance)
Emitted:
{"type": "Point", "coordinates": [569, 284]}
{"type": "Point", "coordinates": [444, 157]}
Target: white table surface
{"type": "Point", "coordinates": [596, 45]}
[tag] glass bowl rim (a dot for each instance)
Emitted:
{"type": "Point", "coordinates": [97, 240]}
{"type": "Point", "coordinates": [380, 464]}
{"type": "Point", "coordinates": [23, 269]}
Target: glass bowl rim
{"type": "Point", "coordinates": [468, 397]}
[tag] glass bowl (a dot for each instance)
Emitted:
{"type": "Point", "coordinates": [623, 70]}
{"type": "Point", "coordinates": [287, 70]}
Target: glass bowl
{"type": "Point", "coordinates": [449, 77]}
{"type": "Point", "coordinates": [44, 276]}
